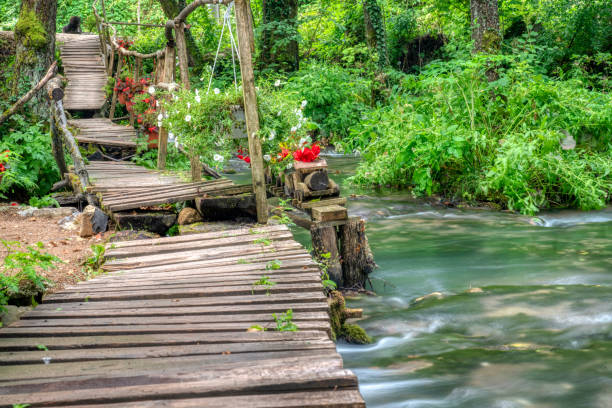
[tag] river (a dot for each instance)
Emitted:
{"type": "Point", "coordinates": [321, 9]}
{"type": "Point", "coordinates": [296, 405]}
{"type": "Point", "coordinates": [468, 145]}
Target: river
{"type": "Point", "coordinates": [535, 330]}
{"type": "Point", "coordinates": [522, 317]}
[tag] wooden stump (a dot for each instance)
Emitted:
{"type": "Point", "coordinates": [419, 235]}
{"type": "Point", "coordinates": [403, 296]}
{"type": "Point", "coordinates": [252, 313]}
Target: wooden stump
{"type": "Point", "coordinates": [357, 259]}
{"type": "Point", "coordinates": [324, 241]}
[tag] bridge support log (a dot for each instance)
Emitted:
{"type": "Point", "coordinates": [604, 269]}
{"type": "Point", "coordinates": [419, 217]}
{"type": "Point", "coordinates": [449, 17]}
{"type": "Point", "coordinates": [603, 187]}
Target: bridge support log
{"type": "Point", "coordinates": [245, 37]}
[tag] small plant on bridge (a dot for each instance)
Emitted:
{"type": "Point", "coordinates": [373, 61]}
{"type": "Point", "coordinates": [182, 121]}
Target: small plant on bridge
{"type": "Point", "coordinates": [95, 261]}
{"type": "Point", "coordinates": [263, 241]}
{"type": "Point", "coordinates": [284, 321]}
{"type": "Point", "coordinates": [328, 284]}
{"type": "Point", "coordinates": [265, 283]}
{"type": "Point", "coordinates": [273, 265]}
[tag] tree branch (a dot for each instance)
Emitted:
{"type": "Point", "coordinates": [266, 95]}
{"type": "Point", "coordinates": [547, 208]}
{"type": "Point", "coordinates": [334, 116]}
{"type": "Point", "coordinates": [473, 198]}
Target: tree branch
{"type": "Point", "coordinates": [24, 99]}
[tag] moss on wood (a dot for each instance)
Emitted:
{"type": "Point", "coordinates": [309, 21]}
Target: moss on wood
{"type": "Point", "coordinates": [352, 333]}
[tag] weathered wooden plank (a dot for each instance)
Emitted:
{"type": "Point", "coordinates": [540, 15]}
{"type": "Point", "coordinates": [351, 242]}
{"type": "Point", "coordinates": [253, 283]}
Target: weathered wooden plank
{"type": "Point", "coordinates": [268, 376]}
{"type": "Point", "coordinates": [163, 320]}
{"type": "Point", "coordinates": [64, 356]}
{"type": "Point", "coordinates": [163, 293]}
{"type": "Point", "coordinates": [150, 340]}
{"type": "Point", "coordinates": [329, 213]}
{"type": "Point", "coordinates": [309, 399]}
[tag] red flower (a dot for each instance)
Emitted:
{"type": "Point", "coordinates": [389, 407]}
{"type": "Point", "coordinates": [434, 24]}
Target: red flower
{"type": "Point", "coordinates": [307, 154]}
{"type": "Point", "coordinates": [14, 204]}
{"type": "Point", "coordinates": [2, 169]}
{"type": "Point", "coordinates": [247, 159]}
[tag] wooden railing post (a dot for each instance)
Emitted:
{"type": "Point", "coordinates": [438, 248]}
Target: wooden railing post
{"type": "Point", "coordinates": [111, 115]}
{"type": "Point", "coordinates": [137, 62]}
{"type": "Point", "coordinates": [168, 77]}
{"type": "Point", "coordinates": [245, 35]}
{"type": "Point", "coordinates": [181, 49]}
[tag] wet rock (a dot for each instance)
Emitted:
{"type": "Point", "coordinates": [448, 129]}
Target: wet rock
{"type": "Point", "coordinates": [189, 216]}
{"type": "Point", "coordinates": [46, 212]}
{"type": "Point", "coordinates": [158, 222]}
{"type": "Point", "coordinates": [92, 221]}
{"type": "Point", "coordinates": [129, 235]}
{"type": "Point", "coordinates": [433, 295]}
{"type": "Point", "coordinates": [474, 290]}
{"type": "Point", "coordinates": [71, 222]}
{"type": "Point", "coordinates": [12, 313]}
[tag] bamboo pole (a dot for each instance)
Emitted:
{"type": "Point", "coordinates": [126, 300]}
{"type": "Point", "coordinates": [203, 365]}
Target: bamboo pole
{"type": "Point", "coordinates": [114, 100]}
{"type": "Point", "coordinates": [245, 35]}
{"type": "Point", "coordinates": [137, 63]}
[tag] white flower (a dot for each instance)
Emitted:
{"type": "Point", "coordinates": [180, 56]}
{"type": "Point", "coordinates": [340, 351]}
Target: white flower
{"type": "Point", "coordinates": [293, 129]}
{"type": "Point", "coordinates": [299, 125]}
{"type": "Point", "coordinates": [170, 136]}
{"type": "Point", "coordinates": [197, 92]}
{"type": "Point", "coordinates": [289, 166]}
{"type": "Point", "coordinates": [303, 141]}
{"type": "Point", "coordinates": [279, 113]}
{"type": "Point", "coordinates": [188, 118]}
{"type": "Point", "coordinates": [159, 123]}
{"type": "Point", "coordinates": [304, 103]}
{"type": "Point", "coordinates": [277, 83]}
{"type": "Point", "coordinates": [198, 99]}
{"type": "Point", "coordinates": [267, 157]}
{"type": "Point", "coordinates": [152, 90]}
{"type": "Point", "coordinates": [188, 105]}
{"type": "Point", "coordinates": [218, 158]}
{"type": "Point", "coordinates": [272, 134]}
{"type": "Point", "coordinates": [176, 98]}
{"type": "Point", "coordinates": [160, 117]}
{"type": "Point", "coordinates": [217, 91]}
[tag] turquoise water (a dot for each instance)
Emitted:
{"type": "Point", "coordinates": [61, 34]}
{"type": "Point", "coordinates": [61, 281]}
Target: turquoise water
{"type": "Point", "coordinates": [522, 316]}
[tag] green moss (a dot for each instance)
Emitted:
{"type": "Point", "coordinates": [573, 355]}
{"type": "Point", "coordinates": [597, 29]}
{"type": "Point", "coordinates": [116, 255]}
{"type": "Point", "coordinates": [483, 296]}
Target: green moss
{"type": "Point", "coordinates": [30, 28]}
{"type": "Point", "coordinates": [352, 333]}
{"type": "Point", "coordinates": [355, 334]}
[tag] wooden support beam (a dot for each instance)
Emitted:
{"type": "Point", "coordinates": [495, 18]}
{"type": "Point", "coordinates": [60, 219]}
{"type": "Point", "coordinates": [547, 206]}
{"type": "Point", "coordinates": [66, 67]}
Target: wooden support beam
{"type": "Point", "coordinates": [181, 49]}
{"type": "Point", "coordinates": [245, 36]}
{"type": "Point", "coordinates": [117, 76]}
{"type": "Point", "coordinates": [168, 77]}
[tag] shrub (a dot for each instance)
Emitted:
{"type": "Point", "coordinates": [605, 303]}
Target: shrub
{"type": "Point", "coordinates": [453, 133]}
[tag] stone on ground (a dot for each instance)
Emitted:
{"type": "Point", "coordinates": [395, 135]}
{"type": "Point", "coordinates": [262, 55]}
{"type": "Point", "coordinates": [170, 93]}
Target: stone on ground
{"type": "Point", "coordinates": [189, 216]}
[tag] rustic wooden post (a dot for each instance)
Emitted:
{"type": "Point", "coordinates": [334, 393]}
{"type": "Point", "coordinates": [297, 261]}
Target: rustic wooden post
{"type": "Point", "coordinates": [159, 69]}
{"type": "Point", "coordinates": [137, 63]}
{"type": "Point", "coordinates": [56, 93]}
{"type": "Point", "coordinates": [325, 241]}
{"type": "Point", "coordinates": [168, 77]}
{"type": "Point", "coordinates": [181, 49]}
{"type": "Point", "coordinates": [245, 36]}
{"type": "Point", "coordinates": [111, 115]}
{"type": "Point", "coordinates": [357, 259]}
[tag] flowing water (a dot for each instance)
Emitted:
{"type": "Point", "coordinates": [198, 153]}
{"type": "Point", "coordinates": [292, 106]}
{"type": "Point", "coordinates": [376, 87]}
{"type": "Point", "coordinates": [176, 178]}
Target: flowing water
{"type": "Point", "coordinates": [522, 316]}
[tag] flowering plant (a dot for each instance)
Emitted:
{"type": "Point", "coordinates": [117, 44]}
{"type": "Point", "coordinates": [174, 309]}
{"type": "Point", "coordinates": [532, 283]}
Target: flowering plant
{"type": "Point", "coordinates": [4, 158]}
{"type": "Point", "coordinates": [307, 152]}
{"type": "Point", "coordinates": [125, 44]}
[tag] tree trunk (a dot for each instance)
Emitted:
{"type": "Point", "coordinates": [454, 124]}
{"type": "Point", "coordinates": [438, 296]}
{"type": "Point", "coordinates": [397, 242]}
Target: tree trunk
{"type": "Point", "coordinates": [279, 24]}
{"type": "Point", "coordinates": [376, 35]}
{"type": "Point", "coordinates": [34, 49]}
{"type": "Point", "coordinates": [171, 9]}
{"type": "Point", "coordinates": [485, 26]}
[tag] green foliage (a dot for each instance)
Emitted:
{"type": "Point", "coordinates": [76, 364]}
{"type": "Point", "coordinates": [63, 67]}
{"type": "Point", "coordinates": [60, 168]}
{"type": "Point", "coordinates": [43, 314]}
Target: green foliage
{"type": "Point", "coordinates": [337, 97]}
{"type": "Point", "coordinates": [262, 241]}
{"type": "Point", "coordinates": [324, 262]}
{"type": "Point", "coordinates": [284, 321]}
{"type": "Point", "coordinates": [96, 260]}
{"type": "Point", "coordinates": [264, 282]}
{"type": "Point", "coordinates": [451, 132]}
{"type": "Point", "coordinates": [30, 29]}
{"type": "Point", "coordinates": [21, 269]}
{"type": "Point", "coordinates": [42, 202]}
{"type": "Point", "coordinates": [274, 265]}
{"type": "Point", "coordinates": [32, 167]}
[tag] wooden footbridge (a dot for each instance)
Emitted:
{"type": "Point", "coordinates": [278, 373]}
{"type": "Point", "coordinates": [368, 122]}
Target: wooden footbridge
{"type": "Point", "coordinates": [190, 321]}
{"type": "Point", "coordinates": [169, 325]}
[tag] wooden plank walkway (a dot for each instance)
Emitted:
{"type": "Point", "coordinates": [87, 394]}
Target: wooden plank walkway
{"type": "Point", "coordinates": [126, 186]}
{"type": "Point", "coordinates": [167, 326]}
{"type": "Point", "coordinates": [84, 68]}
{"type": "Point", "coordinates": [102, 131]}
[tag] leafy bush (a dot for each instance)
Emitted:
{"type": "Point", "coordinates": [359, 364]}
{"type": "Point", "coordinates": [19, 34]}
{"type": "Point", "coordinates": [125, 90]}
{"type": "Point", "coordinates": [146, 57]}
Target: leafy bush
{"type": "Point", "coordinates": [21, 270]}
{"type": "Point", "coordinates": [337, 97]}
{"type": "Point", "coordinates": [453, 133]}
{"type": "Point", "coordinates": [32, 167]}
